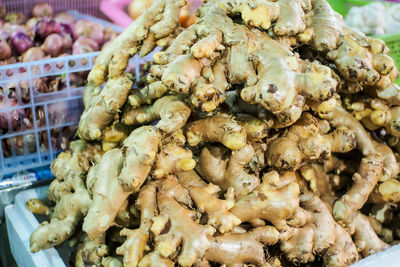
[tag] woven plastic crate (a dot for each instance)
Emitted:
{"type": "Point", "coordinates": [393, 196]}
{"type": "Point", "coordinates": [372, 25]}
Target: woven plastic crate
{"type": "Point", "coordinates": [84, 6]}
{"type": "Point", "coordinates": [61, 109]}
{"type": "Point", "coordinates": [391, 40]}
{"type": "Point", "coordinates": [36, 140]}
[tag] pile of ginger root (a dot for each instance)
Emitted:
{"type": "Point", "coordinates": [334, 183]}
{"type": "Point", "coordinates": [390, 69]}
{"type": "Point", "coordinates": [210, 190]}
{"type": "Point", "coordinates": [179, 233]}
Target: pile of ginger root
{"type": "Point", "coordinates": [265, 134]}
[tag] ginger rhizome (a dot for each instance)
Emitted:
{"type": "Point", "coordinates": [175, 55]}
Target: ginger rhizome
{"type": "Point", "coordinates": [264, 130]}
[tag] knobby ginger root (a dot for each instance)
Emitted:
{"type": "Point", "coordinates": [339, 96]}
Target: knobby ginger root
{"type": "Point", "coordinates": [326, 26]}
{"type": "Point", "coordinates": [171, 110]}
{"type": "Point", "coordinates": [374, 114]}
{"type": "Point", "coordinates": [114, 135]}
{"type": "Point", "coordinates": [321, 234]}
{"type": "Point", "coordinates": [91, 251]}
{"type": "Point", "coordinates": [277, 94]}
{"type": "Point", "coordinates": [183, 230]}
{"type": "Point", "coordinates": [115, 177]}
{"type": "Point", "coordinates": [108, 195]}
{"type": "Point", "coordinates": [217, 210]}
{"type": "Point", "coordinates": [365, 179]}
{"type": "Point", "coordinates": [221, 128]}
{"type": "Point", "coordinates": [172, 158]}
{"type": "Point", "coordinates": [36, 206]}
{"type": "Point", "coordinates": [147, 94]}
{"type": "Point", "coordinates": [367, 62]}
{"type": "Point", "coordinates": [365, 238]}
{"type": "Point", "coordinates": [140, 150]}
{"type": "Point", "coordinates": [136, 242]}
{"type": "Point", "coordinates": [365, 143]}
{"type": "Point", "coordinates": [303, 141]}
{"type": "Point", "coordinates": [114, 58]}
{"type": "Point", "coordinates": [238, 249]}
{"type": "Point", "coordinates": [274, 200]}
{"type": "Point", "coordinates": [103, 107]}
{"type": "Point", "coordinates": [228, 172]}
{"type": "Point", "coordinates": [70, 194]}
{"type": "Point", "coordinates": [265, 109]}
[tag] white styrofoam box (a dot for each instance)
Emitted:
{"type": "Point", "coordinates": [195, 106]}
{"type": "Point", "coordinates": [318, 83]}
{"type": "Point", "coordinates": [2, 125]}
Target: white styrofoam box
{"type": "Point", "coordinates": [387, 258]}
{"type": "Point", "coordinates": [21, 223]}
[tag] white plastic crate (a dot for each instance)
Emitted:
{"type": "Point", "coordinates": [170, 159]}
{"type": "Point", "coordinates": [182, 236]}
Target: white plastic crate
{"type": "Point", "coordinates": [61, 109]}
{"type": "Point", "coordinates": [21, 223]}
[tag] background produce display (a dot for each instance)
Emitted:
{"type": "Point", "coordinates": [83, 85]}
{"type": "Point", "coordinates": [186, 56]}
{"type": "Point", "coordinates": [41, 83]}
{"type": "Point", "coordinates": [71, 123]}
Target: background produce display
{"type": "Point", "coordinates": [39, 37]}
{"type": "Point", "coordinates": [375, 18]}
{"type": "Point", "coordinates": [266, 134]}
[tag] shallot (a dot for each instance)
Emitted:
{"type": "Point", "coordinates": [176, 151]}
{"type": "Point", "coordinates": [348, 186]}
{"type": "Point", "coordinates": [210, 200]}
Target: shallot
{"type": "Point", "coordinates": [42, 10]}
{"type": "Point", "coordinates": [53, 44]}
{"type": "Point", "coordinates": [20, 41]}
{"type": "Point", "coordinates": [5, 50]}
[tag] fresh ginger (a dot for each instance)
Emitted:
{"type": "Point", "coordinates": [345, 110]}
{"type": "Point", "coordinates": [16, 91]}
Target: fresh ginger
{"type": "Point", "coordinates": [141, 148]}
{"type": "Point", "coordinates": [217, 210]}
{"type": "Point", "coordinates": [303, 141]}
{"type": "Point", "coordinates": [228, 172]}
{"type": "Point", "coordinates": [277, 94]}
{"type": "Point", "coordinates": [326, 26]}
{"type": "Point", "coordinates": [72, 200]}
{"type": "Point", "coordinates": [365, 143]}
{"type": "Point", "coordinates": [265, 109]}
{"type": "Point", "coordinates": [183, 230]}
{"type": "Point", "coordinates": [367, 62]}
{"type": "Point", "coordinates": [120, 176]}
{"type": "Point", "coordinates": [275, 200]}
{"type": "Point", "coordinates": [374, 114]}
{"type": "Point", "coordinates": [114, 135]}
{"type": "Point", "coordinates": [365, 238]}
{"type": "Point", "coordinates": [171, 110]}
{"type": "Point", "coordinates": [221, 128]}
{"type": "Point", "coordinates": [319, 237]}
{"type": "Point", "coordinates": [103, 107]}
{"type": "Point", "coordinates": [91, 251]}
{"type": "Point", "coordinates": [172, 158]}
{"type": "Point", "coordinates": [365, 179]}
{"type": "Point", "coordinates": [36, 206]}
{"type": "Point", "coordinates": [114, 58]}
{"type": "Point", "coordinates": [238, 249]}
{"type": "Point", "coordinates": [147, 94]}
{"type": "Point", "coordinates": [136, 242]}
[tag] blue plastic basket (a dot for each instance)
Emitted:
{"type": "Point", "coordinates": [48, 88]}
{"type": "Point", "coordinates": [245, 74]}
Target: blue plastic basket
{"type": "Point", "coordinates": [67, 103]}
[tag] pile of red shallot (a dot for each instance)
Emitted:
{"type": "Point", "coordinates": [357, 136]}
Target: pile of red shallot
{"type": "Point", "coordinates": [44, 35]}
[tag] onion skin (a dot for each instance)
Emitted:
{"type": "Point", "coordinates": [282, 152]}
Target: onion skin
{"type": "Point", "coordinates": [42, 10]}
{"type": "Point", "coordinates": [5, 50]}
{"type": "Point", "coordinates": [53, 44]}
{"type": "Point", "coordinates": [31, 23]}
{"type": "Point", "coordinates": [20, 41]}
{"type": "Point", "coordinates": [84, 45]}
{"type": "Point", "coordinates": [47, 26]}
{"type": "Point", "coordinates": [32, 54]}
{"type": "Point", "coordinates": [66, 29]}
{"type": "Point", "coordinates": [89, 29]}
{"type": "Point", "coordinates": [67, 41]}
{"type": "Point", "coordinates": [65, 18]}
